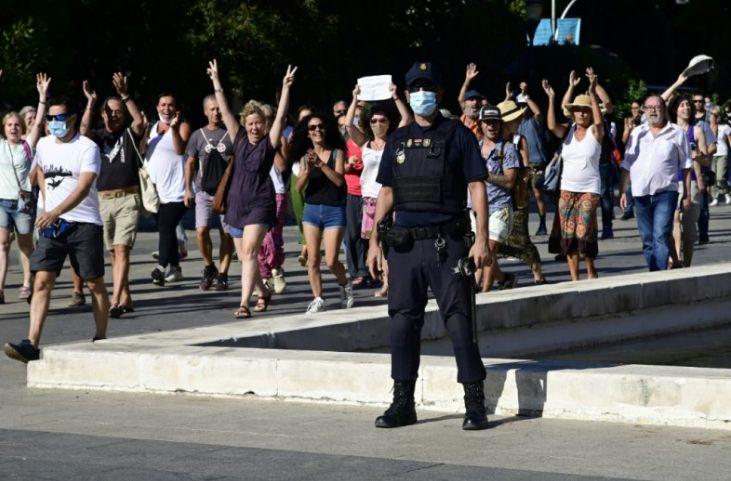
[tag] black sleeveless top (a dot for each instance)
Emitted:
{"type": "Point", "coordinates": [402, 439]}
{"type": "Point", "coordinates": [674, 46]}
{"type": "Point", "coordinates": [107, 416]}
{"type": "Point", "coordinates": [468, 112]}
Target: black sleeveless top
{"type": "Point", "coordinates": [321, 190]}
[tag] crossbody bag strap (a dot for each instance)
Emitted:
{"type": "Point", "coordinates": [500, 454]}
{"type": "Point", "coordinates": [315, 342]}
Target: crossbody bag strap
{"type": "Point", "coordinates": [140, 161]}
{"type": "Point", "coordinates": [12, 164]}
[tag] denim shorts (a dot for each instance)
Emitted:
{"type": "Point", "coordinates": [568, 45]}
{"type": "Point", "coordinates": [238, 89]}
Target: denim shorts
{"type": "Point", "coordinates": [324, 216]}
{"type": "Point", "coordinates": [15, 216]}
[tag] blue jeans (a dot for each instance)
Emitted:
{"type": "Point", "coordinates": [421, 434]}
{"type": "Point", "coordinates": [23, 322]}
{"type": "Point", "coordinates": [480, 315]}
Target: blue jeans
{"type": "Point", "coordinates": [630, 200]}
{"type": "Point", "coordinates": [608, 173]}
{"type": "Point", "coordinates": [655, 221]}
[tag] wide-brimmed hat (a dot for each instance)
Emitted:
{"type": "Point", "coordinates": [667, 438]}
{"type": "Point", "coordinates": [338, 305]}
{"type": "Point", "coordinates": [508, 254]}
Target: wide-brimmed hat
{"type": "Point", "coordinates": [699, 65]}
{"type": "Point", "coordinates": [509, 110]}
{"type": "Point", "coordinates": [580, 101]}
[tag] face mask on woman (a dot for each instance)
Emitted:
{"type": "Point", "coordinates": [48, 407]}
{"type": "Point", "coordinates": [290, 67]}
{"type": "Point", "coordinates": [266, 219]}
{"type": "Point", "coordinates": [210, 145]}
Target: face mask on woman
{"type": "Point", "coordinates": [423, 102]}
{"type": "Point", "coordinates": [379, 129]}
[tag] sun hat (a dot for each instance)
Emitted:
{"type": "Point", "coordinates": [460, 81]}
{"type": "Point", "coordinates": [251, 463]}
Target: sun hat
{"type": "Point", "coordinates": [580, 101]}
{"type": "Point", "coordinates": [509, 110]}
{"type": "Point", "coordinates": [699, 65]}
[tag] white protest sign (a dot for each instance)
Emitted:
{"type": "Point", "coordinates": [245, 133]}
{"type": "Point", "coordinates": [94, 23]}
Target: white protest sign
{"type": "Point", "coordinates": [375, 87]}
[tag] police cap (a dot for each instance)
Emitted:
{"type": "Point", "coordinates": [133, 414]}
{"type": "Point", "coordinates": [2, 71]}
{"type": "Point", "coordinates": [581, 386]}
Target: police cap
{"type": "Point", "coordinates": [423, 70]}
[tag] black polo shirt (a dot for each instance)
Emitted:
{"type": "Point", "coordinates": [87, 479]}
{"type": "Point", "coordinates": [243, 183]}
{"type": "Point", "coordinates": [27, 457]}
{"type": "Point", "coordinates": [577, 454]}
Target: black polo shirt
{"type": "Point", "coordinates": [119, 166]}
{"type": "Point", "coordinates": [463, 154]}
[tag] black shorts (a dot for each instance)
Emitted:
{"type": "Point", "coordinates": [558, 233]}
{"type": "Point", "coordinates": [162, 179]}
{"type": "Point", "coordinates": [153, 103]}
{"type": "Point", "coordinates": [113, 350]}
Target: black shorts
{"type": "Point", "coordinates": [84, 245]}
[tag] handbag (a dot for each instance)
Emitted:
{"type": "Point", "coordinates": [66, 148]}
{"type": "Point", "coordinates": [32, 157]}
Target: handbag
{"type": "Point", "coordinates": [552, 176]}
{"type": "Point", "coordinates": [148, 192]}
{"type": "Point", "coordinates": [221, 196]}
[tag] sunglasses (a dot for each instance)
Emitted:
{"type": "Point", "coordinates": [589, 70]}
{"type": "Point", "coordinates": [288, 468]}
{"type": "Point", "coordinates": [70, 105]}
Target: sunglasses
{"type": "Point", "coordinates": [60, 117]}
{"type": "Point", "coordinates": [426, 86]}
{"type": "Point", "coordinates": [379, 121]}
{"type": "Point", "coordinates": [314, 127]}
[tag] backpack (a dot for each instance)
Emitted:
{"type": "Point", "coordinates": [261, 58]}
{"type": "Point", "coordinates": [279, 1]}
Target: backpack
{"type": "Point", "coordinates": [213, 168]}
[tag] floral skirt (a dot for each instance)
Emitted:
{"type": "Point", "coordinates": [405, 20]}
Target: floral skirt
{"type": "Point", "coordinates": [578, 223]}
{"type": "Point", "coordinates": [518, 244]}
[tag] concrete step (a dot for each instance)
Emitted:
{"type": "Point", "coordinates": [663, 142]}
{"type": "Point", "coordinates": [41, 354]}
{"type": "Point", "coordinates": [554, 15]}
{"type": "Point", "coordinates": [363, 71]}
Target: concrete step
{"type": "Point", "coordinates": [301, 361]}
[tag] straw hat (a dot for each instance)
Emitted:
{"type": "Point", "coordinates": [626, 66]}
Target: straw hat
{"type": "Point", "coordinates": [510, 110]}
{"type": "Point", "coordinates": [580, 101]}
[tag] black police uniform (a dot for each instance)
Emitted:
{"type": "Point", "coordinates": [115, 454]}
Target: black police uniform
{"type": "Point", "coordinates": [428, 170]}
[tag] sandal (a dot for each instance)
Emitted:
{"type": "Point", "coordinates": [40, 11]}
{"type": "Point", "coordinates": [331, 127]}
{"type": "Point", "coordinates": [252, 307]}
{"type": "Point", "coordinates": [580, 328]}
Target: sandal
{"type": "Point", "coordinates": [262, 304]}
{"type": "Point", "coordinates": [242, 313]}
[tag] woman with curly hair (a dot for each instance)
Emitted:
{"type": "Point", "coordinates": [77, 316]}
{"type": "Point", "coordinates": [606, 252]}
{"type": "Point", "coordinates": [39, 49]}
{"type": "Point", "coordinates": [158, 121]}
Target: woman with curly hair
{"type": "Point", "coordinates": [250, 203]}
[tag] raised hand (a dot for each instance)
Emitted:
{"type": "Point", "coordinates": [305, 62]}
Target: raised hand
{"type": "Point", "coordinates": [119, 80]}
{"type": "Point", "coordinates": [592, 79]}
{"type": "Point", "coordinates": [574, 79]}
{"type": "Point", "coordinates": [42, 83]}
{"type": "Point", "coordinates": [471, 72]}
{"type": "Point", "coordinates": [88, 93]}
{"type": "Point", "coordinates": [212, 70]}
{"type": "Point", "coordinates": [508, 91]}
{"type": "Point", "coordinates": [393, 89]}
{"type": "Point", "coordinates": [356, 90]}
{"type": "Point", "coordinates": [175, 121]}
{"type": "Point", "coordinates": [288, 79]}
{"type": "Point", "coordinates": [547, 88]}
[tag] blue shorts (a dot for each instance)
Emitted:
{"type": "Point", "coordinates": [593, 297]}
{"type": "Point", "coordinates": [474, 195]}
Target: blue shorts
{"type": "Point", "coordinates": [324, 216]}
{"type": "Point", "coordinates": [16, 215]}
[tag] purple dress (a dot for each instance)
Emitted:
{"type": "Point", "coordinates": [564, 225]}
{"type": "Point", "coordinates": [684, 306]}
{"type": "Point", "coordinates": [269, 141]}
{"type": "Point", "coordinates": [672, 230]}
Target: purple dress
{"type": "Point", "coordinates": [251, 198]}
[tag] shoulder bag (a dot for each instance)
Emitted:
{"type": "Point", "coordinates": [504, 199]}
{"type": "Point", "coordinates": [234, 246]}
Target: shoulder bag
{"type": "Point", "coordinates": [148, 192]}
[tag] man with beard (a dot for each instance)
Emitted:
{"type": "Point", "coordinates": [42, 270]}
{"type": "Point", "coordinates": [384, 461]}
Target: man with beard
{"type": "Point", "coordinates": [470, 100]}
{"type": "Point", "coordinates": [655, 151]}
{"type": "Point", "coordinates": [118, 183]}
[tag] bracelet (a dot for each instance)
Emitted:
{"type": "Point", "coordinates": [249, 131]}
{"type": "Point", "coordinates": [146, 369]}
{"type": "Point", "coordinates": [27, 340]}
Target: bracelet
{"type": "Point", "coordinates": [43, 102]}
{"type": "Point", "coordinates": [126, 98]}
{"type": "Point", "coordinates": [218, 90]}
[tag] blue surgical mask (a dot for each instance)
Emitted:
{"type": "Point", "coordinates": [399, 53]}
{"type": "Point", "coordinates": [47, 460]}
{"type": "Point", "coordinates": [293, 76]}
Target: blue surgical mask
{"type": "Point", "coordinates": [423, 102]}
{"type": "Point", "coordinates": [58, 128]}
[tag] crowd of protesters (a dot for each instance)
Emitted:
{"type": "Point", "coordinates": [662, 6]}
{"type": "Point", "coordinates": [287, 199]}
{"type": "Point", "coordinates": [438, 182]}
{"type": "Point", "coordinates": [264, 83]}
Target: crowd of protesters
{"type": "Point", "coordinates": [80, 190]}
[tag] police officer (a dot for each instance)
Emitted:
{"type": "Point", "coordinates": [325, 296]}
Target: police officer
{"type": "Point", "coordinates": [425, 172]}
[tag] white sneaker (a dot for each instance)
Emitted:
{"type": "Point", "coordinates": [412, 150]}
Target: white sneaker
{"type": "Point", "coordinates": [714, 202]}
{"type": "Point", "coordinates": [278, 280]}
{"type": "Point", "coordinates": [346, 295]}
{"type": "Point", "coordinates": [175, 274]}
{"type": "Point", "coordinates": [317, 305]}
{"type": "Point", "coordinates": [728, 199]}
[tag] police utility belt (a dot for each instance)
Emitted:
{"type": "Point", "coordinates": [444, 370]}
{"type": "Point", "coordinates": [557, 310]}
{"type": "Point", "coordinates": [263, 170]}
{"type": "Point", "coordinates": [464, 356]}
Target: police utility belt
{"type": "Point", "coordinates": [397, 236]}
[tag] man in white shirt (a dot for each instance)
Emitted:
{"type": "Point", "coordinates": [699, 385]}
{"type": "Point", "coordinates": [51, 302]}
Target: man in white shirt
{"type": "Point", "coordinates": [656, 151]}
{"type": "Point", "coordinates": [71, 224]}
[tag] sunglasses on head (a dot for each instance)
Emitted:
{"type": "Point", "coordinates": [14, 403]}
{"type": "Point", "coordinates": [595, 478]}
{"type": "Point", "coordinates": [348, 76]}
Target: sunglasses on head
{"type": "Point", "coordinates": [61, 117]}
{"type": "Point", "coordinates": [314, 127]}
{"type": "Point", "coordinates": [426, 86]}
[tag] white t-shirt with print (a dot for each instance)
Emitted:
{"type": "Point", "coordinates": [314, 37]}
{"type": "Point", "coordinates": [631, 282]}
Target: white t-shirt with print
{"type": "Point", "coordinates": [722, 147]}
{"type": "Point", "coordinates": [14, 169]}
{"type": "Point", "coordinates": [61, 164]}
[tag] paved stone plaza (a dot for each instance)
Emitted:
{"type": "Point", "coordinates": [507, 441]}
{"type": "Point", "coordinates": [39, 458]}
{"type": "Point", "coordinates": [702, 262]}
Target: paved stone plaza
{"type": "Point", "coordinates": [49, 434]}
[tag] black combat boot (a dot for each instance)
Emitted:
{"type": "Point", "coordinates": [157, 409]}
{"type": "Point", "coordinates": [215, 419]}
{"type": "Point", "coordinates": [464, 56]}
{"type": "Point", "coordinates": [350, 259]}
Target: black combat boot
{"type": "Point", "coordinates": [475, 417]}
{"type": "Point", "coordinates": [402, 411]}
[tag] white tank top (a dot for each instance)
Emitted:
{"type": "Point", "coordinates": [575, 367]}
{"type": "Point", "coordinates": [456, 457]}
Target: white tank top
{"type": "Point", "coordinates": [165, 166]}
{"type": "Point", "coordinates": [371, 162]}
{"type": "Point", "coordinates": [581, 163]}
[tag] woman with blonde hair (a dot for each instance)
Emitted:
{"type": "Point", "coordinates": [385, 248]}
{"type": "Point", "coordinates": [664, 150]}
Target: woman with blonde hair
{"type": "Point", "coordinates": [16, 200]}
{"type": "Point", "coordinates": [250, 201]}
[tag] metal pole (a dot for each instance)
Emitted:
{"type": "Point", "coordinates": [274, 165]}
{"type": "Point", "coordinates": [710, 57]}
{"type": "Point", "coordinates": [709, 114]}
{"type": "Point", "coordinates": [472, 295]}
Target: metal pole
{"type": "Point", "coordinates": [553, 19]}
{"type": "Point", "coordinates": [568, 7]}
